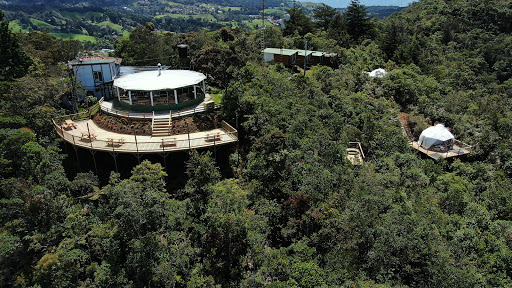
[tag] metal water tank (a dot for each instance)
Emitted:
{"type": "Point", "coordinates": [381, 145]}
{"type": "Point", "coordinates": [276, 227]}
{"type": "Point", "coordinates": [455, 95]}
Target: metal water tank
{"type": "Point", "coordinates": [182, 50]}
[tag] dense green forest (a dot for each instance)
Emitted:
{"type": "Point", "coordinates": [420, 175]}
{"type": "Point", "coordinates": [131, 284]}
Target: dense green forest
{"type": "Point", "coordinates": [293, 212]}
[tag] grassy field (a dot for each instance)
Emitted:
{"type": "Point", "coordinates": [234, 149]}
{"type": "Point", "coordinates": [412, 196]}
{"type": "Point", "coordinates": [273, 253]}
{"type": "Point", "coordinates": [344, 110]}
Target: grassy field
{"type": "Point", "coordinates": [232, 8]}
{"type": "Point", "coordinates": [40, 24]}
{"type": "Point", "coordinates": [116, 27]}
{"type": "Point", "coordinates": [15, 27]}
{"type": "Point", "coordinates": [252, 24]}
{"type": "Point", "coordinates": [274, 12]}
{"type": "Point", "coordinates": [71, 15]}
{"type": "Point", "coordinates": [78, 15]}
{"type": "Point", "coordinates": [206, 17]}
{"type": "Point", "coordinates": [71, 36]}
{"type": "Point", "coordinates": [228, 23]}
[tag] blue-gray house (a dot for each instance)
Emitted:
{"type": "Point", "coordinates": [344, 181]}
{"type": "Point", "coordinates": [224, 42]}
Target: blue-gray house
{"type": "Point", "coordinates": [97, 74]}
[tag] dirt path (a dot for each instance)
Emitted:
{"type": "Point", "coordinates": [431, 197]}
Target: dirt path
{"type": "Point", "coordinates": [404, 119]}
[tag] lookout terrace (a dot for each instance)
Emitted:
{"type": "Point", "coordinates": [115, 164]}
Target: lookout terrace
{"type": "Point", "coordinates": [154, 112]}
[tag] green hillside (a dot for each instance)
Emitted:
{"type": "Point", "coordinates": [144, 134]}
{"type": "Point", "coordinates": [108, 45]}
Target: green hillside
{"type": "Point", "coordinates": [15, 26]}
{"type": "Point", "coordinates": [116, 27]}
{"type": "Point", "coordinates": [253, 24]}
{"type": "Point", "coordinates": [206, 17]}
{"type": "Point", "coordinates": [40, 24]}
{"type": "Point", "coordinates": [71, 36]}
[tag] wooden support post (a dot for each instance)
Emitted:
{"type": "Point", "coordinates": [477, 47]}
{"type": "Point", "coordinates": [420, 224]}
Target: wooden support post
{"type": "Point", "coordinates": [65, 144]}
{"type": "Point", "coordinates": [175, 96]}
{"type": "Point", "coordinates": [151, 96]}
{"type": "Point", "coordinates": [188, 133]}
{"type": "Point", "coordinates": [89, 131]}
{"type": "Point", "coordinates": [136, 144]}
{"type": "Point", "coordinates": [115, 160]}
{"type": "Point", "coordinates": [130, 96]}
{"type": "Point", "coordinates": [93, 152]}
{"type": "Point", "coordinates": [77, 158]}
{"type": "Point", "coordinates": [138, 156]}
{"type": "Point", "coordinates": [164, 155]}
{"type": "Point", "coordinates": [195, 92]}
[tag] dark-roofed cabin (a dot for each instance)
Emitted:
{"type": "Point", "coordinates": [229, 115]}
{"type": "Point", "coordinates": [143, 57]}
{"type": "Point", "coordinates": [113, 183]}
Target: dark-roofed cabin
{"type": "Point", "coordinates": [286, 56]}
{"type": "Point", "coordinates": [317, 58]}
{"type": "Point", "coordinates": [302, 56]}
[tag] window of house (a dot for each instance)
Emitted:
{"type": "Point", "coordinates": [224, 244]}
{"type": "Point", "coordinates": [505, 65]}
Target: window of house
{"type": "Point", "coordinates": [98, 76]}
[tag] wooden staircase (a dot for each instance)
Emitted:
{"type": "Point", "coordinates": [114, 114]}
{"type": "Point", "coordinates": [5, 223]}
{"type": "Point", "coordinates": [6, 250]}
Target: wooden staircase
{"type": "Point", "coordinates": [161, 127]}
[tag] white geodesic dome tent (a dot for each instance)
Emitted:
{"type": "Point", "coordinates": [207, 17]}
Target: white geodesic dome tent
{"type": "Point", "coordinates": [436, 138]}
{"type": "Point", "coordinates": [377, 73]}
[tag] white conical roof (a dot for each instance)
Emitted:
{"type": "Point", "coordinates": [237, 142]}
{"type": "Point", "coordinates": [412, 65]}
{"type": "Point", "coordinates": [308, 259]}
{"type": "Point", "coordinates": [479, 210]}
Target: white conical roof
{"type": "Point", "coordinates": [434, 135]}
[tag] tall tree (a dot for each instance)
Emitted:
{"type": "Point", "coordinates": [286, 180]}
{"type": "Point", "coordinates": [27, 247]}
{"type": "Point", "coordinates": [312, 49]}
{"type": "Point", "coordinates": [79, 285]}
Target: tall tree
{"type": "Point", "coordinates": [299, 22]}
{"type": "Point", "coordinates": [14, 62]}
{"type": "Point", "coordinates": [216, 63]}
{"type": "Point", "coordinates": [324, 14]}
{"type": "Point", "coordinates": [338, 30]}
{"type": "Point", "coordinates": [359, 25]}
{"type": "Point", "coordinates": [147, 47]}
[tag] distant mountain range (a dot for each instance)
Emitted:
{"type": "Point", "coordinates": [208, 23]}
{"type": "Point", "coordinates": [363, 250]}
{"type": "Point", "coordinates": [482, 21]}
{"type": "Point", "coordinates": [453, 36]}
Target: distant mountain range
{"type": "Point", "coordinates": [98, 3]}
{"type": "Point", "coordinates": [345, 3]}
{"type": "Point", "coordinates": [109, 3]}
{"type": "Point", "coordinates": [244, 3]}
{"type": "Point", "coordinates": [382, 12]}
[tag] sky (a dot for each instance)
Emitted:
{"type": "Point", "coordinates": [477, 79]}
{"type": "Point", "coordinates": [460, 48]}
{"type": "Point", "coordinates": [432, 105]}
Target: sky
{"type": "Point", "coordinates": [345, 3]}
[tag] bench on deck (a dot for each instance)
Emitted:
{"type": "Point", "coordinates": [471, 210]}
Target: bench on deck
{"type": "Point", "coordinates": [69, 124]}
{"type": "Point", "coordinates": [168, 142]}
{"type": "Point", "coordinates": [213, 136]}
{"type": "Point", "coordinates": [115, 142]}
{"type": "Point", "coordinates": [86, 136]}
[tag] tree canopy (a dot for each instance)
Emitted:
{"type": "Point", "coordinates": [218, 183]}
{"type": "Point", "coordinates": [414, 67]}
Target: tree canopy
{"type": "Point", "coordinates": [284, 207]}
{"type": "Point", "coordinates": [14, 62]}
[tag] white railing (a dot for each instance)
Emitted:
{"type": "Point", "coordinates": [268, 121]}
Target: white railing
{"type": "Point", "coordinates": [153, 122]}
{"type": "Point", "coordinates": [142, 115]}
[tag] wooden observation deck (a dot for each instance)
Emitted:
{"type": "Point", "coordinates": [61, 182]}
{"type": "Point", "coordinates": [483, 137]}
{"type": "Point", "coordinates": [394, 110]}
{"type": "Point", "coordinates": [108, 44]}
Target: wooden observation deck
{"type": "Point", "coordinates": [80, 131]}
{"type": "Point", "coordinates": [459, 148]}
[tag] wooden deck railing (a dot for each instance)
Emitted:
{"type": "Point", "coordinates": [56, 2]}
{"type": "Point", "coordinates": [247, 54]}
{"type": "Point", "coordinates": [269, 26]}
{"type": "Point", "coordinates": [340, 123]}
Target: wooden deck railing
{"type": "Point", "coordinates": [357, 145]}
{"type": "Point", "coordinates": [124, 144]}
{"type": "Point", "coordinates": [165, 144]}
{"type": "Point", "coordinates": [82, 115]}
{"type": "Point", "coordinates": [229, 129]}
{"type": "Point", "coordinates": [459, 148]}
{"type": "Point", "coordinates": [463, 145]}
